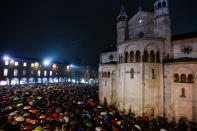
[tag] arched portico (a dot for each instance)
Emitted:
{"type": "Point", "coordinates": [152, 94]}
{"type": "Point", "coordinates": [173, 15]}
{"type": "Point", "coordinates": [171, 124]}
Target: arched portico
{"type": "Point", "coordinates": [23, 81]}
{"type": "Point", "coordinates": [14, 81]}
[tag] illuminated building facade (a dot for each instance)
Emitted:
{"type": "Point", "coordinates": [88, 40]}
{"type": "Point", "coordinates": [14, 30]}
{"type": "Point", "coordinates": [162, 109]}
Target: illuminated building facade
{"type": "Point", "coordinates": [23, 70]}
{"type": "Point", "coordinates": [149, 72]}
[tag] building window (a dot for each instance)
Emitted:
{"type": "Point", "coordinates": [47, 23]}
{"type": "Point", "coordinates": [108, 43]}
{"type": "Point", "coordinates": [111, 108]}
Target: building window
{"type": "Point", "coordinates": [32, 72]}
{"type": "Point", "coordinates": [158, 57]}
{"type": "Point", "coordinates": [5, 73]}
{"type": "Point", "coordinates": [176, 77]}
{"type": "Point", "coordinates": [132, 73]}
{"type": "Point", "coordinates": [126, 57]}
{"type": "Point", "coordinates": [45, 73]}
{"type": "Point", "coordinates": [190, 78]}
{"type": "Point", "coordinates": [183, 78]}
{"type": "Point", "coordinates": [108, 74]}
{"type": "Point", "coordinates": [15, 72]}
{"type": "Point", "coordinates": [16, 63]}
{"type": "Point", "coordinates": [137, 56]}
{"type": "Point", "coordinates": [145, 56]}
{"type": "Point", "coordinates": [24, 72]}
{"type": "Point", "coordinates": [51, 73]}
{"type": "Point", "coordinates": [24, 64]}
{"type": "Point", "coordinates": [183, 92]}
{"type": "Point", "coordinates": [153, 73]}
{"type": "Point", "coordinates": [38, 72]}
{"type": "Point", "coordinates": [32, 64]}
{"type": "Point", "coordinates": [152, 57]}
{"type": "Point", "coordinates": [6, 62]}
{"type": "Point", "coordinates": [131, 57]}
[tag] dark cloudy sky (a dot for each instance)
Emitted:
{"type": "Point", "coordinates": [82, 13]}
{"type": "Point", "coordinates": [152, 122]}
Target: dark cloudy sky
{"type": "Point", "coordinates": [70, 29]}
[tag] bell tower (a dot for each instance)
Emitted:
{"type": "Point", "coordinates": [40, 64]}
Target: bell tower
{"type": "Point", "coordinates": [122, 26]}
{"type": "Point", "coordinates": [162, 23]}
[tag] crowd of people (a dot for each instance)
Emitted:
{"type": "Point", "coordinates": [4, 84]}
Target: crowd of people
{"type": "Point", "coordinates": [71, 107]}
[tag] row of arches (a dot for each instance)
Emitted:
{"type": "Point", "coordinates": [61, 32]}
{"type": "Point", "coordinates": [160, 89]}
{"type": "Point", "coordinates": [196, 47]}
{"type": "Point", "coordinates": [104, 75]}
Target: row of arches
{"type": "Point", "coordinates": [131, 57]}
{"type": "Point", "coordinates": [183, 78]}
{"type": "Point", "coordinates": [106, 74]}
{"type": "Point", "coordinates": [16, 81]}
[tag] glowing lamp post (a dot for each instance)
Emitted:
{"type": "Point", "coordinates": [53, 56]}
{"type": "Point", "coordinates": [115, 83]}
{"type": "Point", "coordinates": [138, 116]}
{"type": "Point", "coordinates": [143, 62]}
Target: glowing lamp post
{"type": "Point", "coordinates": [47, 62]}
{"type": "Point", "coordinates": [6, 58]}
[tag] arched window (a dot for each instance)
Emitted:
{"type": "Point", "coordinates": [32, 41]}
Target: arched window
{"type": "Point", "coordinates": [132, 73]}
{"type": "Point", "coordinates": [183, 92]}
{"type": "Point", "coordinates": [183, 78]}
{"type": "Point", "coordinates": [153, 73]}
{"type": "Point", "coordinates": [145, 56]}
{"type": "Point", "coordinates": [190, 78]}
{"type": "Point", "coordinates": [152, 57]}
{"type": "Point", "coordinates": [176, 77]}
{"type": "Point", "coordinates": [159, 5]}
{"type": "Point", "coordinates": [158, 57]}
{"type": "Point", "coordinates": [137, 56]}
{"type": "Point", "coordinates": [105, 74]}
{"type": "Point", "coordinates": [164, 4]}
{"type": "Point", "coordinates": [131, 57]}
{"type": "Point", "coordinates": [108, 74]}
{"type": "Point", "coordinates": [126, 57]}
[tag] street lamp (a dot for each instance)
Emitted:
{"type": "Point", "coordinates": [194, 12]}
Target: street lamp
{"type": "Point", "coordinates": [6, 58]}
{"type": "Point", "coordinates": [47, 62]}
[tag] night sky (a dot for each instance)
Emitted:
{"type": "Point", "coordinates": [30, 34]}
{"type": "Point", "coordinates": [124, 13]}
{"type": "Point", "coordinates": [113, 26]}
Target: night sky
{"type": "Point", "coordinates": [68, 29]}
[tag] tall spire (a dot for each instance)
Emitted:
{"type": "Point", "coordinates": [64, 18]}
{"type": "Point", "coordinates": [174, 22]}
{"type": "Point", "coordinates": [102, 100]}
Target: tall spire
{"type": "Point", "coordinates": [122, 15]}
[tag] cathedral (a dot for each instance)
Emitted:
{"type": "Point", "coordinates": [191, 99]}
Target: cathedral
{"type": "Point", "coordinates": [149, 72]}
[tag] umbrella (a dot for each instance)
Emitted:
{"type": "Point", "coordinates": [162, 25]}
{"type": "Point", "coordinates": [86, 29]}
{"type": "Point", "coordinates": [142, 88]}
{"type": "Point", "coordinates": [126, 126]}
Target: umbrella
{"type": "Point", "coordinates": [33, 122]}
{"type": "Point", "coordinates": [26, 107]}
{"type": "Point", "coordinates": [38, 128]}
{"type": "Point", "coordinates": [28, 128]}
{"type": "Point", "coordinates": [42, 117]}
{"type": "Point", "coordinates": [10, 107]}
{"type": "Point", "coordinates": [49, 119]}
{"type": "Point", "coordinates": [35, 111]}
{"type": "Point", "coordinates": [26, 114]}
{"type": "Point", "coordinates": [20, 119]}
{"type": "Point", "coordinates": [28, 120]}
{"type": "Point", "coordinates": [19, 105]}
{"type": "Point", "coordinates": [13, 113]}
{"type": "Point", "coordinates": [103, 113]}
{"type": "Point", "coordinates": [55, 115]}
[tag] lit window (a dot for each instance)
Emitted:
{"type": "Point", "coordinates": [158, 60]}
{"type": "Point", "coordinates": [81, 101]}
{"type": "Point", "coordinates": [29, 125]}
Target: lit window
{"type": "Point", "coordinates": [24, 64]}
{"type": "Point", "coordinates": [5, 72]}
{"type": "Point", "coordinates": [6, 62]}
{"type": "Point", "coordinates": [38, 72]}
{"type": "Point", "coordinates": [32, 72]}
{"type": "Point", "coordinates": [45, 73]}
{"type": "Point", "coordinates": [32, 64]}
{"type": "Point", "coordinates": [24, 72]}
{"type": "Point", "coordinates": [16, 63]}
{"type": "Point", "coordinates": [51, 73]}
{"type": "Point", "coordinates": [15, 72]}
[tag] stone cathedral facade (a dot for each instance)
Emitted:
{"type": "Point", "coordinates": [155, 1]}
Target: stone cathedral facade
{"type": "Point", "coordinates": [149, 72]}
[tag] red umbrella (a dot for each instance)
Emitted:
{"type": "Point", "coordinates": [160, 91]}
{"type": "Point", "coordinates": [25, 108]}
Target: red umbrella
{"type": "Point", "coordinates": [26, 107]}
{"type": "Point", "coordinates": [28, 128]}
{"type": "Point", "coordinates": [55, 115]}
{"type": "Point", "coordinates": [49, 119]}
